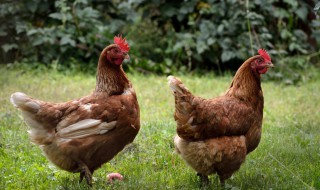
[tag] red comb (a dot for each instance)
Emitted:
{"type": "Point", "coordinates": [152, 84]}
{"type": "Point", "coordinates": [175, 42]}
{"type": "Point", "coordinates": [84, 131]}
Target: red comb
{"type": "Point", "coordinates": [264, 54]}
{"type": "Point", "coordinates": [122, 43]}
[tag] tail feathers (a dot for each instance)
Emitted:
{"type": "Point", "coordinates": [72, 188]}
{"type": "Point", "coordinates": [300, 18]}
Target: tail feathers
{"type": "Point", "coordinates": [25, 103]}
{"type": "Point", "coordinates": [29, 108]}
{"type": "Point", "coordinates": [183, 103]}
{"type": "Point", "coordinates": [39, 134]}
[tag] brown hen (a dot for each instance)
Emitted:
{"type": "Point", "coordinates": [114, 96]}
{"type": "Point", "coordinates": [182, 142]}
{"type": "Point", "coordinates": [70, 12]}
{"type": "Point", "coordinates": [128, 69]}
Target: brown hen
{"type": "Point", "coordinates": [82, 134]}
{"type": "Point", "coordinates": [215, 135]}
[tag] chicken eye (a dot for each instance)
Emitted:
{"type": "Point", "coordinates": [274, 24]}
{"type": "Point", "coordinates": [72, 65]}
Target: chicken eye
{"type": "Point", "coordinates": [260, 61]}
{"type": "Point", "coordinates": [116, 51]}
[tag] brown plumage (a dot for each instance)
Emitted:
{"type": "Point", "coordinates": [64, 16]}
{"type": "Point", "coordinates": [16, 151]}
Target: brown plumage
{"type": "Point", "coordinates": [215, 135]}
{"type": "Point", "coordinates": [81, 135]}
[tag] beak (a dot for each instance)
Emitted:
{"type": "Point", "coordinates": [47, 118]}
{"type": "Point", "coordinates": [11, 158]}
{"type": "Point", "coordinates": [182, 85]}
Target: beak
{"type": "Point", "coordinates": [126, 56]}
{"type": "Point", "coordinates": [269, 65]}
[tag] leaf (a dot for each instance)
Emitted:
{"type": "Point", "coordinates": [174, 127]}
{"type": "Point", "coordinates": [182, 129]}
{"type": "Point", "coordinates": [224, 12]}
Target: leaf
{"type": "Point", "coordinates": [285, 34]}
{"type": "Point", "coordinates": [294, 4]}
{"type": "Point", "coordinates": [8, 47]}
{"type": "Point", "coordinates": [181, 17]}
{"type": "Point", "coordinates": [168, 61]}
{"type": "Point", "coordinates": [67, 40]}
{"type": "Point", "coordinates": [82, 39]}
{"type": "Point", "coordinates": [300, 34]}
{"type": "Point", "coordinates": [31, 6]}
{"type": "Point", "coordinates": [225, 43]}
{"type": "Point", "coordinates": [293, 46]}
{"type": "Point", "coordinates": [57, 16]}
{"type": "Point", "coordinates": [32, 31]}
{"type": "Point", "coordinates": [178, 46]}
{"type": "Point", "coordinates": [20, 28]}
{"type": "Point", "coordinates": [227, 55]}
{"type": "Point", "coordinates": [201, 46]}
{"type": "Point", "coordinates": [43, 6]}
{"type": "Point", "coordinates": [37, 41]}
{"type": "Point", "coordinates": [167, 10]}
{"type": "Point", "coordinates": [317, 7]}
{"type": "Point", "coordinates": [211, 41]}
{"type": "Point", "coordinates": [207, 28]}
{"type": "Point", "coordinates": [90, 12]}
{"type": "Point", "coordinates": [220, 29]}
{"type": "Point", "coordinates": [3, 32]}
{"type": "Point", "coordinates": [281, 13]}
{"type": "Point", "coordinates": [188, 7]}
{"type": "Point", "coordinates": [84, 2]}
{"type": "Point", "coordinates": [302, 13]}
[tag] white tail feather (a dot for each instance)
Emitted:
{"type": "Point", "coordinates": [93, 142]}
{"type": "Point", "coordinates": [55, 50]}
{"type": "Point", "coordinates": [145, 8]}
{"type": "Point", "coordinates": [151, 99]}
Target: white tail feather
{"type": "Point", "coordinates": [25, 103]}
{"type": "Point", "coordinates": [18, 98]}
{"type": "Point", "coordinates": [176, 85]}
{"type": "Point", "coordinates": [171, 82]}
{"type": "Point", "coordinates": [29, 107]}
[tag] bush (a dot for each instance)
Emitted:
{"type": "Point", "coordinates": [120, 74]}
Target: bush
{"type": "Point", "coordinates": [165, 36]}
{"type": "Point", "coordinates": [218, 34]}
{"type": "Point", "coordinates": [293, 70]}
{"type": "Point", "coordinates": [61, 30]}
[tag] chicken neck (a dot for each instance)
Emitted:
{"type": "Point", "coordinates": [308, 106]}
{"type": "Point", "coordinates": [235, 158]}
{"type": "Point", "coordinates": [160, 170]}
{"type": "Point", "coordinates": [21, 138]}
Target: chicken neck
{"type": "Point", "coordinates": [110, 78]}
{"type": "Point", "coordinates": [246, 84]}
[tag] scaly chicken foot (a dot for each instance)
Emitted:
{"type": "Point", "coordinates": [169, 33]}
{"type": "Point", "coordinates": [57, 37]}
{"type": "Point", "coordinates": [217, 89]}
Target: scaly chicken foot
{"type": "Point", "coordinates": [85, 173]}
{"type": "Point", "coordinates": [204, 180]}
{"type": "Point", "coordinates": [81, 176]}
{"type": "Point", "coordinates": [223, 178]}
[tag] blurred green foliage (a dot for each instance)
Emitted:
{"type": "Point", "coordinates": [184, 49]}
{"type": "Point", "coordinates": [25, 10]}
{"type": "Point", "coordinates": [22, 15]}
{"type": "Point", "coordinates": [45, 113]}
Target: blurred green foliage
{"type": "Point", "coordinates": [165, 36]}
{"type": "Point", "coordinates": [67, 31]}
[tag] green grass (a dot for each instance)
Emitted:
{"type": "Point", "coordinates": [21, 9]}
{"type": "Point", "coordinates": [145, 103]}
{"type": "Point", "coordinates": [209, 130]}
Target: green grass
{"type": "Point", "coordinates": [288, 156]}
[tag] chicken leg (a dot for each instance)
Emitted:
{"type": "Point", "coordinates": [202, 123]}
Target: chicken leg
{"type": "Point", "coordinates": [85, 173]}
{"type": "Point", "coordinates": [204, 180]}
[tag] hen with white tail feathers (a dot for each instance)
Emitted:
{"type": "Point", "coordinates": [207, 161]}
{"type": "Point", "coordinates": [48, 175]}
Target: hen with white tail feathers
{"type": "Point", "coordinates": [82, 134]}
{"type": "Point", "coordinates": [215, 135]}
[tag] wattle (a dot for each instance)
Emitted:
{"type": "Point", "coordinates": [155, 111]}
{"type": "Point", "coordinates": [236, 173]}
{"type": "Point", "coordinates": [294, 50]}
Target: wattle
{"type": "Point", "coordinates": [118, 61]}
{"type": "Point", "coordinates": [263, 70]}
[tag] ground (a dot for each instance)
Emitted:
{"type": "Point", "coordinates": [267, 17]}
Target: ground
{"type": "Point", "coordinates": [287, 157]}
